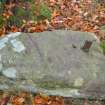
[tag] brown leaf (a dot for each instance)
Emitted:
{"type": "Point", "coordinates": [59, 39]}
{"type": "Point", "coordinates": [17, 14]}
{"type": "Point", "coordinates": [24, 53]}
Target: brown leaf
{"type": "Point", "coordinates": [16, 100]}
{"type": "Point", "coordinates": [14, 29]}
{"type": "Point", "coordinates": [39, 100]}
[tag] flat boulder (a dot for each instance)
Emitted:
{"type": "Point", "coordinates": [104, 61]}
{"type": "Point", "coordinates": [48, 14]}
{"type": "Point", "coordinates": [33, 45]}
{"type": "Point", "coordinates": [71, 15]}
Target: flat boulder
{"type": "Point", "coordinates": [60, 62]}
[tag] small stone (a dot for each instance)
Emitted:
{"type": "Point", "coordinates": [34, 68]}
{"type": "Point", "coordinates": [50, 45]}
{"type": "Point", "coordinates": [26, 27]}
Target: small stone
{"type": "Point", "coordinates": [10, 73]}
{"type": "Point", "coordinates": [3, 86]}
{"type": "Point", "coordinates": [79, 82]}
{"type": "Point", "coordinates": [4, 40]}
{"type": "Point", "coordinates": [17, 45]}
{"type": "Point", "coordinates": [2, 45]}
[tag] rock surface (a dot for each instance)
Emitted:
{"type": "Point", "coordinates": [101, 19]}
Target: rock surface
{"type": "Point", "coordinates": [10, 73]}
{"type": "Point", "coordinates": [54, 63]}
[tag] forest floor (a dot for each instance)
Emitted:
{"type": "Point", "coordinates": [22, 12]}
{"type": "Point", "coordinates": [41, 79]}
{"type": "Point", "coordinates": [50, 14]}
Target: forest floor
{"type": "Point", "coordinates": [38, 16]}
{"type": "Point", "coordinates": [25, 98]}
{"type": "Point", "coordinates": [42, 15]}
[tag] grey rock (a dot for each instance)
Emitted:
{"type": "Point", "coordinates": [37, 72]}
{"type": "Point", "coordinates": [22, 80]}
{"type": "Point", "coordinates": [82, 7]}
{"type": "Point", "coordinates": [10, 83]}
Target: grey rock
{"type": "Point", "coordinates": [10, 73]}
{"type": "Point", "coordinates": [4, 87]}
{"type": "Point", "coordinates": [54, 63]}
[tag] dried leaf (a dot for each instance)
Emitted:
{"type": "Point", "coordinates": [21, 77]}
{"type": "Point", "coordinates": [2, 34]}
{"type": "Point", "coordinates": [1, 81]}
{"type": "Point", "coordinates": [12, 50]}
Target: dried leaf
{"type": "Point", "coordinates": [16, 100]}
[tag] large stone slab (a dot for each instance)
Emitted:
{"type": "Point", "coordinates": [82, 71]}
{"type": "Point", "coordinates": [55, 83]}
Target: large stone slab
{"type": "Point", "coordinates": [54, 63]}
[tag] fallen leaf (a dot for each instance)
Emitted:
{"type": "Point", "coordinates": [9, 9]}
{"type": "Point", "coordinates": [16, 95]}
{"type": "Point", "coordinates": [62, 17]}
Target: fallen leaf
{"type": "Point", "coordinates": [16, 100]}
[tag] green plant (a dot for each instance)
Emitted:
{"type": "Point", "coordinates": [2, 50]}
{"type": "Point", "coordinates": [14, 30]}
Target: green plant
{"type": "Point", "coordinates": [1, 21]}
{"type": "Point", "coordinates": [102, 27]}
{"type": "Point", "coordinates": [22, 13]}
{"type": "Point", "coordinates": [27, 0]}
{"type": "Point", "coordinates": [45, 11]}
{"type": "Point", "coordinates": [1, 8]}
{"type": "Point", "coordinates": [19, 11]}
{"type": "Point", "coordinates": [33, 10]}
{"type": "Point", "coordinates": [14, 20]}
{"type": "Point", "coordinates": [2, 1]}
{"type": "Point", "coordinates": [103, 46]}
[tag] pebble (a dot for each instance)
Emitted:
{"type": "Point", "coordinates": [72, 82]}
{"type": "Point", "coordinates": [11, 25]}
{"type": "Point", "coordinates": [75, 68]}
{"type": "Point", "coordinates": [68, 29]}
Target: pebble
{"type": "Point", "coordinates": [17, 45]}
{"type": "Point", "coordinates": [3, 86]}
{"type": "Point", "coordinates": [10, 73]}
{"type": "Point", "coordinates": [3, 42]}
{"type": "Point", "coordinates": [79, 82]}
